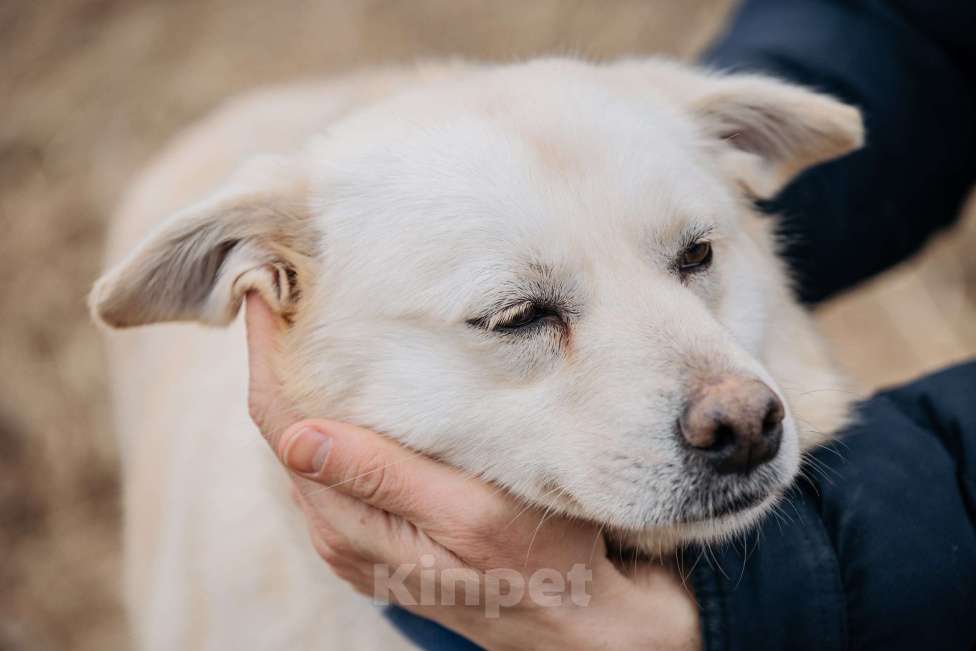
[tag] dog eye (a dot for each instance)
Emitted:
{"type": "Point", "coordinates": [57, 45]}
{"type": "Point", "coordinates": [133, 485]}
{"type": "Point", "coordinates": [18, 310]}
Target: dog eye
{"type": "Point", "coordinates": [528, 316]}
{"type": "Point", "coordinates": [696, 257]}
{"type": "Point", "coordinates": [518, 317]}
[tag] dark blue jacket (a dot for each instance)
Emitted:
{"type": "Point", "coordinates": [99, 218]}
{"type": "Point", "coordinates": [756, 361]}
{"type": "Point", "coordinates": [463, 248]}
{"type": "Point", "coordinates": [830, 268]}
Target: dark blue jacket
{"type": "Point", "coordinates": [877, 549]}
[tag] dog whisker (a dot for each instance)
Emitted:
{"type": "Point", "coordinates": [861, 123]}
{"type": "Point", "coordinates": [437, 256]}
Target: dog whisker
{"type": "Point", "coordinates": [848, 392]}
{"type": "Point", "coordinates": [596, 539]}
{"type": "Point", "coordinates": [714, 560]}
{"type": "Point", "coordinates": [530, 505]}
{"type": "Point", "coordinates": [813, 485]}
{"type": "Point", "coordinates": [542, 520]}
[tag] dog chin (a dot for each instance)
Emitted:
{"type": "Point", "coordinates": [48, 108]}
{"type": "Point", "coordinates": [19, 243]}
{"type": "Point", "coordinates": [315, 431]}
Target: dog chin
{"type": "Point", "coordinates": [660, 541]}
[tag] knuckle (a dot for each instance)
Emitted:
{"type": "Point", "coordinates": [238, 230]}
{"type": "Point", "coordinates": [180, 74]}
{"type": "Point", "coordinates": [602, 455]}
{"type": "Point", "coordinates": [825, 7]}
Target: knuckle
{"type": "Point", "coordinates": [338, 546]}
{"type": "Point", "coordinates": [354, 578]}
{"type": "Point", "coordinates": [342, 572]}
{"type": "Point", "coordinates": [337, 559]}
{"type": "Point", "coordinates": [260, 407]}
{"type": "Point", "coordinates": [485, 531]}
{"type": "Point", "coordinates": [332, 548]}
{"type": "Point", "coordinates": [256, 410]}
{"type": "Point", "coordinates": [324, 550]}
{"type": "Point", "coordinates": [375, 481]}
{"type": "Point", "coordinates": [477, 551]}
{"type": "Point", "coordinates": [486, 543]}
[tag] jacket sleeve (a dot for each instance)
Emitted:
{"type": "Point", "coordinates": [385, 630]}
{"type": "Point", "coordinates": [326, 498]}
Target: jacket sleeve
{"type": "Point", "coordinates": [874, 549]}
{"type": "Point", "coordinates": [910, 65]}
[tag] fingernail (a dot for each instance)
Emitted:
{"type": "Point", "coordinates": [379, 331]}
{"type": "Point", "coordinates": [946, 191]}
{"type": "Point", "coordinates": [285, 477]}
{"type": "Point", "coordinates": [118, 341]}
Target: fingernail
{"type": "Point", "coordinates": [307, 451]}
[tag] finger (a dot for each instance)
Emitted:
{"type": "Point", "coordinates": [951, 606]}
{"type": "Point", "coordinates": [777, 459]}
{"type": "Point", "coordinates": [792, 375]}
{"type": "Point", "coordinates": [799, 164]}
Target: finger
{"type": "Point", "coordinates": [421, 504]}
{"type": "Point", "coordinates": [342, 522]}
{"type": "Point", "coordinates": [268, 408]}
{"type": "Point", "coordinates": [371, 468]}
{"type": "Point", "coordinates": [347, 531]}
{"type": "Point", "coordinates": [322, 515]}
{"type": "Point", "coordinates": [351, 569]}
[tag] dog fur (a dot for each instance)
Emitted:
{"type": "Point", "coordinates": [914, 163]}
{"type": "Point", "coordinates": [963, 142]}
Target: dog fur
{"type": "Point", "coordinates": [395, 219]}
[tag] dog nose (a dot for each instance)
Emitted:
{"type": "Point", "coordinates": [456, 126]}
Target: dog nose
{"type": "Point", "coordinates": [735, 423]}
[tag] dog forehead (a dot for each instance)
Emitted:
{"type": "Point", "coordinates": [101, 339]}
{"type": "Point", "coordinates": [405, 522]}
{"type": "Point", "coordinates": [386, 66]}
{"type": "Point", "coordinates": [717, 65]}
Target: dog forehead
{"type": "Point", "coordinates": [508, 124]}
{"type": "Point", "coordinates": [488, 180]}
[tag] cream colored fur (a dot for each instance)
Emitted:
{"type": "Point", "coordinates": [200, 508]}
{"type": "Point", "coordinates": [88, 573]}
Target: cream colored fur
{"type": "Point", "coordinates": [384, 215]}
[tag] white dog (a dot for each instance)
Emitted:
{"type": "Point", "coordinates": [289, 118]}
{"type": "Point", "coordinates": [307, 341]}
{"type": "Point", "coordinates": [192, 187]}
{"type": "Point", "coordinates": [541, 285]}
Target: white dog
{"type": "Point", "coordinates": [547, 274]}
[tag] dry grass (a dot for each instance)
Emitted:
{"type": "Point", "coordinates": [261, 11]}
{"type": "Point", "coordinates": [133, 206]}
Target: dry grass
{"type": "Point", "coordinates": [89, 89]}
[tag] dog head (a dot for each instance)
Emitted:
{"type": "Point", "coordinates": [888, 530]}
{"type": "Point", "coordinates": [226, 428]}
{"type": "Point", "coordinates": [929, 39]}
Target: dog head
{"type": "Point", "coordinates": [545, 274]}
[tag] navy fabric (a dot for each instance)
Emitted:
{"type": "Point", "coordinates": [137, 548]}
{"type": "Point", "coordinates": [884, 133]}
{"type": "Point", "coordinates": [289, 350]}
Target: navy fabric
{"type": "Point", "coordinates": [427, 634]}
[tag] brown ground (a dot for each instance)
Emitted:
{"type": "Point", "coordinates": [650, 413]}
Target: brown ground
{"type": "Point", "coordinates": [89, 89]}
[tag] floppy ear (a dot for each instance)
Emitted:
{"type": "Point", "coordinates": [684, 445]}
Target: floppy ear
{"type": "Point", "coordinates": [254, 233]}
{"type": "Point", "coordinates": [768, 131]}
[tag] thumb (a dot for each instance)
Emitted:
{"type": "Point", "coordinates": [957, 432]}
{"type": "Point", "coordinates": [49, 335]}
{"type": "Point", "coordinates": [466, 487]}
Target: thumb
{"type": "Point", "coordinates": [374, 469]}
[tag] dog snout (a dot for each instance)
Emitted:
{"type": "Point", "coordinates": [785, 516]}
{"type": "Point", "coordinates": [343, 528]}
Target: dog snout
{"type": "Point", "coordinates": [735, 423]}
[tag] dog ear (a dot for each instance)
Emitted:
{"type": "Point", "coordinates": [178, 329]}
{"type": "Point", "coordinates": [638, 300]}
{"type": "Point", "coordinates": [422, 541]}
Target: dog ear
{"type": "Point", "coordinates": [254, 233]}
{"type": "Point", "coordinates": [768, 131]}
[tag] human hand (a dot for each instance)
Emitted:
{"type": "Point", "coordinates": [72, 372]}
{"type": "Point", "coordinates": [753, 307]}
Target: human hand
{"type": "Point", "coordinates": [401, 527]}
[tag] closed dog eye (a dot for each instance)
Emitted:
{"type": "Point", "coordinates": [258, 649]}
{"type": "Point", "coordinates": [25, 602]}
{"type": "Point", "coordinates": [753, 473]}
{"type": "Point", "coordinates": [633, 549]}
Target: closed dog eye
{"type": "Point", "coordinates": [522, 317]}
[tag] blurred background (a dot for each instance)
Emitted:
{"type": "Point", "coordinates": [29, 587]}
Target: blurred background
{"type": "Point", "coordinates": [90, 89]}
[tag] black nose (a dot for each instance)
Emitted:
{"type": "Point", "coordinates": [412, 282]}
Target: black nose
{"type": "Point", "coordinates": [735, 423]}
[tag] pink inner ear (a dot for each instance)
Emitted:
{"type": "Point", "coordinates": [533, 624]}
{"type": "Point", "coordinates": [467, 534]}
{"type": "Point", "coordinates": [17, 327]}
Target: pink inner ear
{"type": "Point", "coordinates": [744, 141]}
{"type": "Point", "coordinates": [777, 131]}
{"type": "Point", "coordinates": [763, 140]}
{"type": "Point", "coordinates": [732, 137]}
